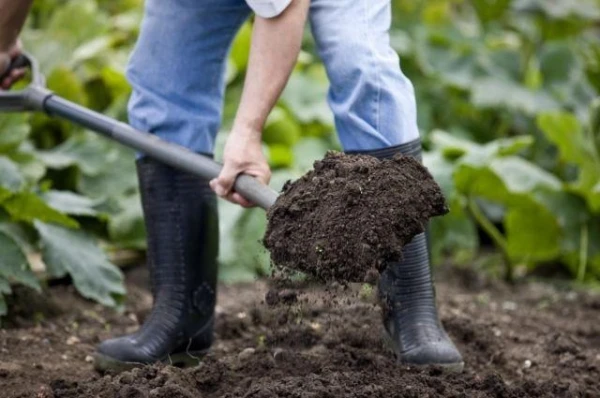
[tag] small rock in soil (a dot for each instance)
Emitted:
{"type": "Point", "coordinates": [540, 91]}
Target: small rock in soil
{"type": "Point", "coordinates": [246, 353]}
{"type": "Point", "coordinates": [351, 215]}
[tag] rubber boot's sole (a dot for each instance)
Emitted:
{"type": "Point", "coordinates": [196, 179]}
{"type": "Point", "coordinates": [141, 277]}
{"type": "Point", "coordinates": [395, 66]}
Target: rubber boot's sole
{"type": "Point", "coordinates": [456, 367]}
{"type": "Point", "coordinates": [106, 363]}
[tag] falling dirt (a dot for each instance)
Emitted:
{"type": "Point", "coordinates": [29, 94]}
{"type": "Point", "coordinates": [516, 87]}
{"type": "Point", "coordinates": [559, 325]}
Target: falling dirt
{"type": "Point", "coordinates": [529, 340]}
{"type": "Point", "coordinates": [351, 214]}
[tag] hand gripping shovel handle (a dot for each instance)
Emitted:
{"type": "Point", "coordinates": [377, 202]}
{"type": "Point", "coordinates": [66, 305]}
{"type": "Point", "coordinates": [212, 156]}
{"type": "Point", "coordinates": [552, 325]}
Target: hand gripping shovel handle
{"type": "Point", "coordinates": [37, 98]}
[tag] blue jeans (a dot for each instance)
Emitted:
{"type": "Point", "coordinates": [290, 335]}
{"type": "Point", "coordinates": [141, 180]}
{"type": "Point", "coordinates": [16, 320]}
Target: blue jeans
{"type": "Point", "coordinates": [177, 71]}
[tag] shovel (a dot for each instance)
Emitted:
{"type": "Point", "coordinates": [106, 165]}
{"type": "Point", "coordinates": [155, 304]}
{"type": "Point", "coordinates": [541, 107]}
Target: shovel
{"type": "Point", "coordinates": [37, 98]}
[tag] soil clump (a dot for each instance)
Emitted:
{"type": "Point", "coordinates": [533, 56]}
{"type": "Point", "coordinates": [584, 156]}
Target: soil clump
{"type": "Point", "coordinates": [350, 215]}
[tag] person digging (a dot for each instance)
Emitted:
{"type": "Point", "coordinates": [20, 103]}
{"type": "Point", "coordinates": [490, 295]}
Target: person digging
{"type": "Point", "coordinates": [177, 73]}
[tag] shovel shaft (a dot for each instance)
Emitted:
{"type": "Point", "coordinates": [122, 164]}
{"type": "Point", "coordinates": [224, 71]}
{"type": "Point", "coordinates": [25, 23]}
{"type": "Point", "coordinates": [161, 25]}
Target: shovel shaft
{"type": "Point", "coordinates": [172, 154]}
{"type": "Point", "coordinates": [37, 98]}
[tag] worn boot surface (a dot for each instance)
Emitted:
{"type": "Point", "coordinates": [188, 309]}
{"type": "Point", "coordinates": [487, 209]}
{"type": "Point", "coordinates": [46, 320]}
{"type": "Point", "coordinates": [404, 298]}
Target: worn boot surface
{"type": "Point", "coordinates": [407, 295]}
{"type": "Point", "coordinates": [180, 212]}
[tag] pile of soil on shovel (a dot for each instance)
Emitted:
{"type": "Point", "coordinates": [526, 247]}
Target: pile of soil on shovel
{"type": "Point", "coordinates": [530, 340]}
{"type": "Point", "coordinates": [350, 215]}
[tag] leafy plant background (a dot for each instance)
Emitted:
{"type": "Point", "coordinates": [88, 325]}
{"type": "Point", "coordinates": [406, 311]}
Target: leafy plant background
{"type": "Point", "coordinates": [508, 110]}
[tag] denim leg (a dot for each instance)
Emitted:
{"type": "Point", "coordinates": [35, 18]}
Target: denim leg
{"type": "Point", "coordinates": [372, 100]}
{"type": "Point", "coordinates": [177, 69]}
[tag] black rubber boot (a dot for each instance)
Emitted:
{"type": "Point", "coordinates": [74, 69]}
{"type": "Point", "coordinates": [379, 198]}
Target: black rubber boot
{"type": "Point", "coordinates": [181, 218]}
{"type": "Point", "coordinates": [407, 295]}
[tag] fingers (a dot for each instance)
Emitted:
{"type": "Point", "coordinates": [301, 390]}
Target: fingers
{"type": "Point", "coordinates": [12, 78]}
{"type": "Point", "coordinates": [223, 185]}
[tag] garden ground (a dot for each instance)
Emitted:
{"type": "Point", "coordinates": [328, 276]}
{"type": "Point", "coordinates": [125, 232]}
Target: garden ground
{"type": "Point", "coordinates": [532, 339]}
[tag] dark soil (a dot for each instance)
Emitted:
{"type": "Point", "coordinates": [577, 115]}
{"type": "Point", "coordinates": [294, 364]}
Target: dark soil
{"type": "Point", "coordinates": [350, 215]}
{"type": "Point", "coordinates": [531, 340]}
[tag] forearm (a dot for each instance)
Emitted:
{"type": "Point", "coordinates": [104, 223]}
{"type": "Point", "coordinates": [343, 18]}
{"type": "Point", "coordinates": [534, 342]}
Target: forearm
{"type": "Point", "coordinates": [275, 47]}
{"type": "Point", "coordinates": [12, 18]}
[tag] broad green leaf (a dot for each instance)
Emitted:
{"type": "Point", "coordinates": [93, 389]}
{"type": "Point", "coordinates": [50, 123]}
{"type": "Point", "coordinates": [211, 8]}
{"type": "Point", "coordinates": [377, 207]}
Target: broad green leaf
{"type": "Point", "coordinates": [280, 156]}
{"type": "Point", "coordinates": [281, 129]}
{"type": "Point", "coordinates": [14, 128]}
{"type": "Point", "coordinates": [450, 145]}
{"type": "Point", "coordinates": [532, 231]}
{"type": "Point", "coordinates": [453, 146]}
{"type": "Point", "coordinates": [28, 207]}
{"type": "Point", "coordinates": [25, 237]}
{"type": "Point", "coordinates": [441, 169]}
{"type": "Point", "coordinates": [14, 265]}
{"type": "Point", "coordinates": [307, 151]}
{"type": "Point", "coordinates": [70, 203]}
{"type": "Point", "coordinates": [76, 253]}
{"type": "Point", "coordinates": [564, 131]}
{"type": "Point", "coordinates": [88, 152]}
{"type": "Point", "coordinates": [521, 176]}
{"type": "Point", "coordinates": [307, 99]}
{"type": "Point", "coordinates": [249, 257]}
{"type": "Point", "coordinates": [453, 233]}
{"type": "Point", "coordinates": [4, 288]}
{"type": "Point", "coordinates": [31, 168]}
{"type": "Point", "coordinates": [502, 93]}
{"type": "Point", "coordinates": [508, 146]}
{"type": "Point", "coordinates": [573, 244]}
{"type": "Point", "coordinates": [117, 176]}
{"type": "Point", "coordinates": [66, 84]}
{"type": "Point", "coordinates": [10, 176]}
{"type": "Point", "coordinates": [240, 48]}
{"type": "Point", "coordinates": [475, 180]}
{"type": "Point", "coordinates": [584, 9]}
{"type": "Point", "coordinates": [491, 10]}
{"type": "Point", "coordinates": [126, 228]}
{"type": "Point", "coordinates": [3, 307]}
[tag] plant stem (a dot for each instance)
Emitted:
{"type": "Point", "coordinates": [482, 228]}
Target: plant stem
{"type": "Point", "coordinates": [494, 234]}
{"type": "Point", "coordinates": [583, 253]}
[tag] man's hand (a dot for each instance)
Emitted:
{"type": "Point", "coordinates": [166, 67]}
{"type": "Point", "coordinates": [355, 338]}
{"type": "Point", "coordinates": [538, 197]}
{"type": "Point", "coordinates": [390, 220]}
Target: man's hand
{"type": "Point", "coordinates": [242, 154]}
{"type": "Point", "coordinates": [275, 46]}
{"type": "Point", "coordinates": [5, 60]}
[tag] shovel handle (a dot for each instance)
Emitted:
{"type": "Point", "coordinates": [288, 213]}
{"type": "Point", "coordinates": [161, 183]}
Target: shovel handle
{"type": "Point", "coordinates": [37, 98]}
{"type": "Point", "coordinates": [21, 61]}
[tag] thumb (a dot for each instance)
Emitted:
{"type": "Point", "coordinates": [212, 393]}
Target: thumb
{"type": "Point", "coordinates": [223, 184]}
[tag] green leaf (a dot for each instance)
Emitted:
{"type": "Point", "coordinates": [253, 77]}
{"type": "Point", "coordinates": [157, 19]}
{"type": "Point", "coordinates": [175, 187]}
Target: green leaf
{"type": "Point", "coordinates": [126, 228]}
{"type": "Point", "coordinates": [280, 156]}
{"type": "Point", "coordinates": [86, 151]}
{"type": "Point", "coordinates": [523, 177]}
{"type": "Point", "coordinates": [307, 151]}
{"type": "Point", "coordinates": [15, 129]}
{"type": "Point", "coordinates": [532, 231]}
{"type": "Point", "coordinates": [28, 207]}
{"type": "Point", "coordinates": [117, 177]}
{"type": "Point", "coordinates": [71, 203]}
{"type": "Point", "coordinates": [584, 9]}
{"type": "Point", "coordinates": [14, 265]}
{"type": "Point", "coordinates": [10, 176]}
{"type": "Point", "coordinates": [281, 129]}
{"type": "Point", "coordinates": [31, 168]}
{"type": "Point", "coordinates": [441, 169]}
{"type": "Point", "coordinates": [575, 147]}
{"type": "Point", "coordinates": [451, 145]}
{"type": "Point", "coordinates": [454, 233]}
{"type": "Point", "coordinates": [493, 92]}
{"type": "Point", "coordinates": [306, 97]}
{"type": "Point", "coordinates": [76, 253]}
{"type": "Point", "coordinates": [67, 85]}
{"type": "Point", "coordinates": [240, 48]}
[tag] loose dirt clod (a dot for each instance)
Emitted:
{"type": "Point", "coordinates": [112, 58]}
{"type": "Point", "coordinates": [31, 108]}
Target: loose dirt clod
{"type": "Point", "coordinates": [321, 349]}
{"type": "Point", "coordinates": [350, 215]}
